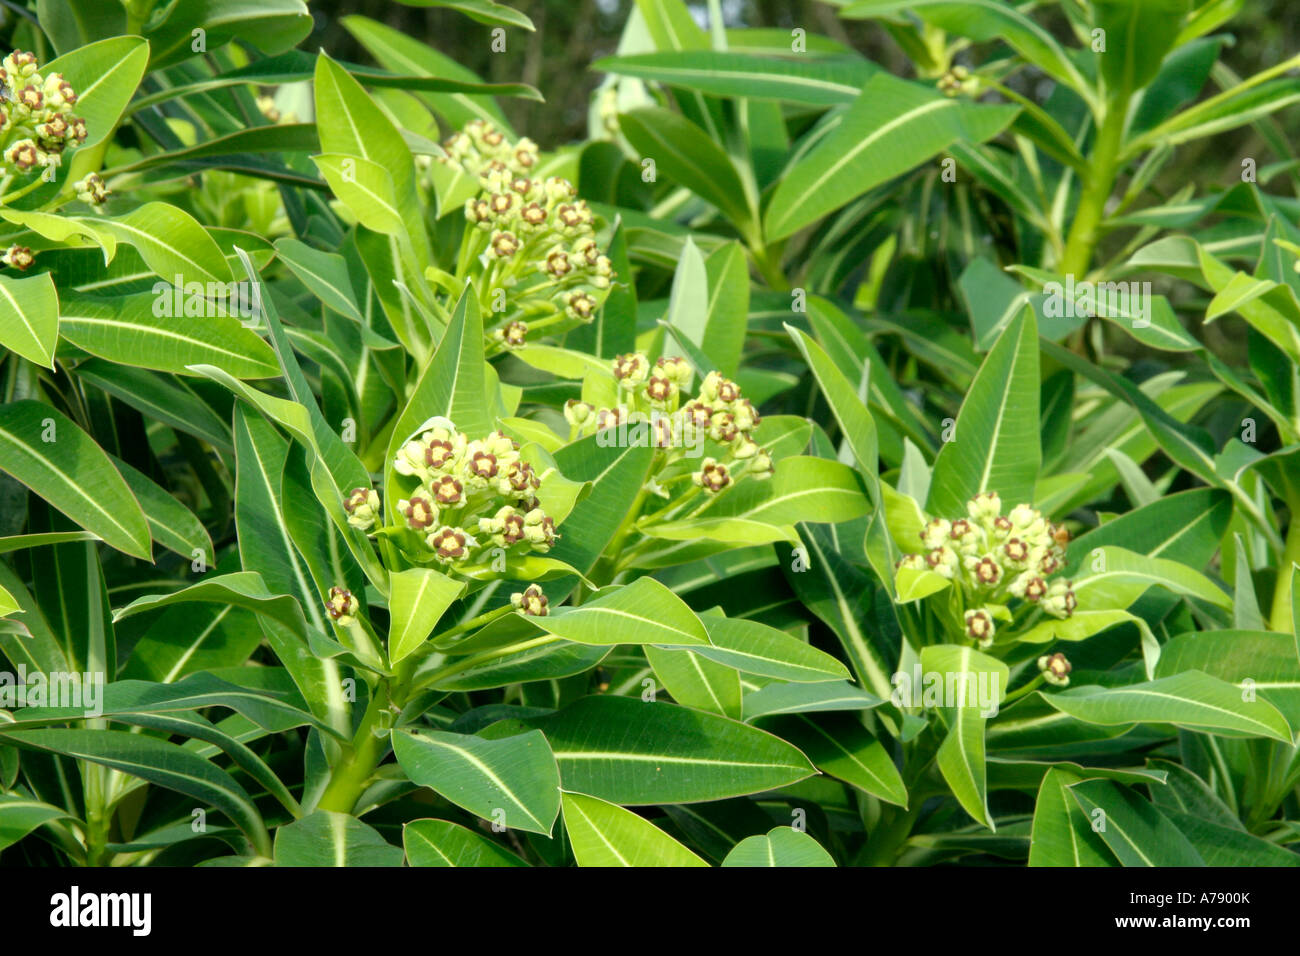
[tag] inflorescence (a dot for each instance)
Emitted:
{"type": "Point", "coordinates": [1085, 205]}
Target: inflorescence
{"type": "Point", "coordinates": [718, 412]}
{"type": "Point", "coordinates": [994, 558]}
{"type": "Point", "coordinates": [539, 238]}
{"type": "Point", "coordinates": [472, 495]}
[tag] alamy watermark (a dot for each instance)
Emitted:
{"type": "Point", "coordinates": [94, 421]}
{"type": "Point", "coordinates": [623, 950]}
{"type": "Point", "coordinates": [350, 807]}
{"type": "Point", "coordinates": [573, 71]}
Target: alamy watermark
{"type": "Point", "coordinates": [922, 688]}
{"type": "Point", "coordinates": [1086, 300]}
{"type": "Point", "coordinates": [629, 429]}
{"type": "Point", "coordinates": [178, 298]}
{"type": "Point", "coordinates": [69, 689]}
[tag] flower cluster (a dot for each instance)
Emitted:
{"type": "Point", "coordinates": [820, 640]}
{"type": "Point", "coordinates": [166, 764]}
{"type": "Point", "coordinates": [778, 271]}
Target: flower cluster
{"type": "Point", "coordinates": [480, 149]}
{"type": "Point", "coordinates": [538, 238]}
{"type": "Point", "coordinates": [995, 558]}
{"type": "Point", "coordinates": [472, 495]}
{"type": "Point", "coordinates": [36, 118]}
{"type": "Point", "coordinates": [718, 412]}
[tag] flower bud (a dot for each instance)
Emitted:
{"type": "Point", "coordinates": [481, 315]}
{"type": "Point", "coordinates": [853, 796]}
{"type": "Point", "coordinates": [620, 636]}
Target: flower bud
{"type": "Point", "coordinates": [936, 533]}
{"type": "Point", "coordinates": [530, 601]}
{"type": "Point", "coordinates": [1060, 601]}
{"type": "Point", "coordinates": [985, 506]}
{"type": "Point", "coordinates": [450, 545]}
{"type": "Point", "coordinates": [362, 507]}
{"type": "Point", "coordinates": [1056, 669]}
{"type": "Point", "coordinates": [420, 513]}
{"type": "Point", "coordinates": [342, 606]}
{"type": "Point", "coordinates": [513, 336]}
{"type": "Point", "coordinates": [712, 476]}
{"type": "Point", "coordinates": [660, 391]}
{"type": "Point", "coordinates": [676, 369]}
{"type": "Point", "coordinates": [631, 370]}
{"type": "Point", "coordinates": [578, 413]}
{"type": "Point", "coordinates": [580, 305]}
{"type": "Point", "coordinates": [93, 190]}
{"type": "Point", "coordinates": [18, 257]}
{"type": "Point", "coordinates": [979, 626]}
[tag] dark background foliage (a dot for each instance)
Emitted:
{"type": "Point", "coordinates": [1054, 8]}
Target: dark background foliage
{"type": "Point", "coordinates": [571, 34]}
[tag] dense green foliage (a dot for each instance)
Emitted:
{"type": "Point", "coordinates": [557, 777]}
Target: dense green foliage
{"type": "Point", "coordinates": [826, 461]}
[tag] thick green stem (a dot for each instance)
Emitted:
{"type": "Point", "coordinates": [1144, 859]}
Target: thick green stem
{"type": "Point", "coordinates": [1281, 618]}
{"type": "Point", "coordinates": [360, 759]}
{"type": "Point", "coordinates": [1103, 170]}
{"type": "Point", "coordinates": [888, 838]}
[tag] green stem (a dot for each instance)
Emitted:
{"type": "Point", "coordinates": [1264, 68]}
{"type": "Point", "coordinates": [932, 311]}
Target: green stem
{"type": "Point", "coordinates": [766, 260]}
{"type": "Point", "coordinates": [1280, 617]}
{"type": "Point", "coordinates": [1098, 184]}
{"type": "Point", "coordinates": [1017, 694]}
{"type": "Point", "coordinates": [360, 759]}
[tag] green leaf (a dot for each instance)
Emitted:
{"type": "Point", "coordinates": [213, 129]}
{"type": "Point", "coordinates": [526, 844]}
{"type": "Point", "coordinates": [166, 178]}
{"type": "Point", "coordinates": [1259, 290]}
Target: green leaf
{"type": "Point", "coordinates": [172, 243]}
{"type": "Point", "coordinates": [604, 834]}
{"type": "Point", "coordinates": [1189, 699]}
{"type": "Point", "coordinates": [325, 838]}
{"type": "Point", "coordinates": [156, 761]}
{"type": "Point", "coordinates": [746, 76]}
{"type": "Point", "coordinates": [404, 54]}
{"type": "Point", "coordinates": [781, 846]}
{"type": "Point", "coordinates": [634, 753]}
{"type": "Point", "coordinates": [172, 524]}
{"type": "Point", "coordinates": [1138, 35]}
{"type": "Point", "coordinates": [440, 843]}
{"type": "Point", "coordinates": [1185, 527]}
{"type": "Point", "coordinates": [417, 601]}
{"type": "Point", "coordinates": [1226, 846]}
{"type": "Point", "coordinates": [643, 612]}
{"type": "Point", "coordinates": [48, 453]}
{"type": "Point", "coordinates": [840, 746]}
{"type": "Point", "coordinates": [324, 273]}
{"type": "Point", "coordinates": [755, 648]}
{"type": "Point", "coordinates": [190, 638]}
{"type": "Point", "coordinates": [803, 489]}
{"type": "Point", "coordinates": [513, 781]}
{"type": "Point", "coordinates": [481, 11]}
{"type": "Point", "coordinates": [983, 20]}
{"type": "Point", "coordinates": [778, 698]}
{"type": "Point", "coordinates": [687, 155]}
{"type": "Point", "coordinates": [695, 681]}
{"type": "Point", "coordinates": [1262, 662]}
{"type": "Point", "coordinates": [68, 230]}
{"type": "Point", "coordinates": [961, 755]}
{"type": "Point", "coordinates": [453, 386]}
{"type": "Point", "coordinates": [366, 188]}
{"type": "Point", "coordinates": [1062, 835]}
{"type": "Point", "coordinates": [29, 317]}
{"type": "Point", "coordinates": [1135, 831]}
{"type": "Point", "coordinates": [273, 26]}
{"type": "Point", "coordinates": [105, 75]}
{"type": "Point", "coordinates": [131, 697]}
{"type": "Point", "coordinates": [848, 404]}
{"type": "Point", "coordinates": [996, 446]}
{"type": "Point", "coordinates": [20, 815]}
{"type": "Point", "coordinates": [1125, 576]}
{"type": "Point", "coordinates": [892, 127]}
{"type": "Point", "coordinates": [144, 331]}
